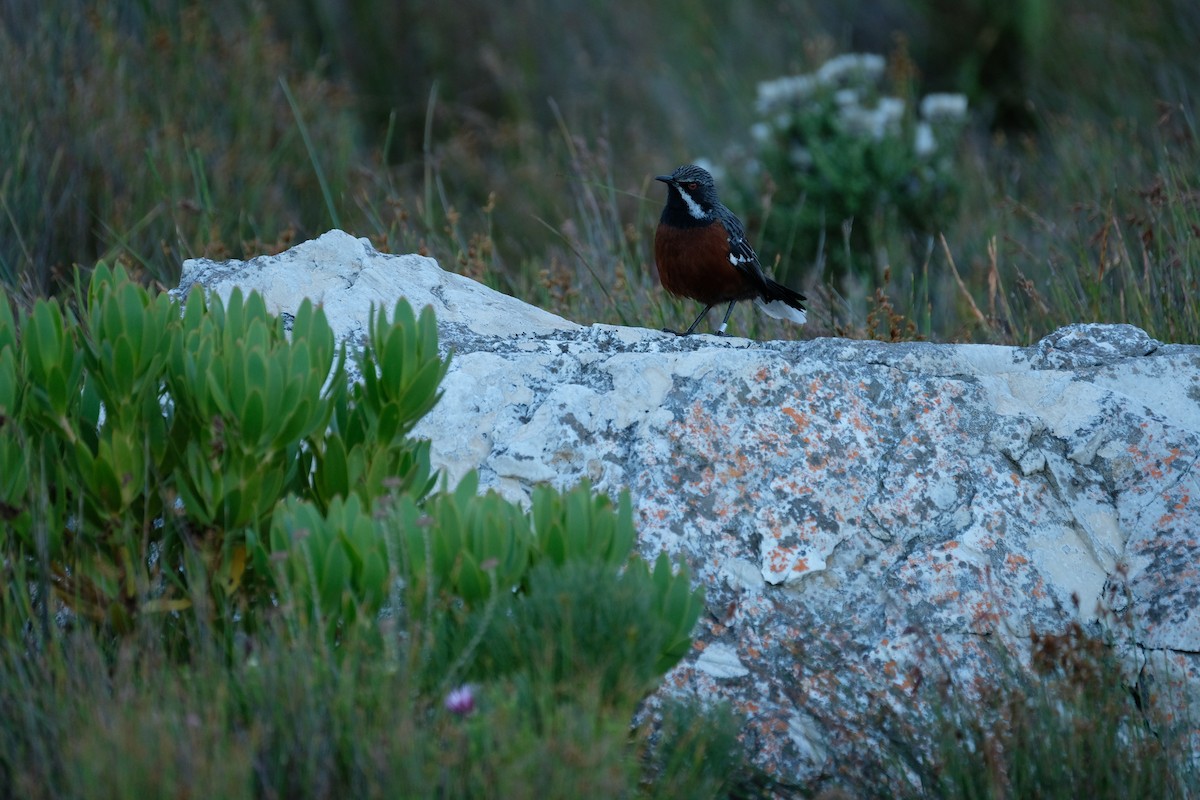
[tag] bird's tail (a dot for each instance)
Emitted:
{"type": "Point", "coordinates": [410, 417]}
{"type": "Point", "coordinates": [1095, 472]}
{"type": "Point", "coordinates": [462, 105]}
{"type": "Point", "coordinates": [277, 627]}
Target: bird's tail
{"type": "Point", "coordinates": [780, 302]}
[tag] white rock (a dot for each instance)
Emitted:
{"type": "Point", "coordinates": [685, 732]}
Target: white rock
{"type": "Point", "coordinates": [721, 661]}
{"type": "Point", "coordinates": [347, 275]}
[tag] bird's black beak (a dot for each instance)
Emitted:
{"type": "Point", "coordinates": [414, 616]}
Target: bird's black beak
{"type": "Point", "coordinates": [663, 178]}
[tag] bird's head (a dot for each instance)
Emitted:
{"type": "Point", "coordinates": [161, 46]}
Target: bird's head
{"type": "Point", "coordinates": [693, 187]}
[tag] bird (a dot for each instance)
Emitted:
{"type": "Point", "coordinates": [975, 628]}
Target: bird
{"type": "Point", "coordinates": [702, 253]}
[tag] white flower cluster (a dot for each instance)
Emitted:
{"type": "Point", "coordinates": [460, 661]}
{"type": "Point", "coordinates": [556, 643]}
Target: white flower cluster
{"type": "Point", "coordinates": [944, 107]}
{"type": "Point", "coordinates": [882, 120]}
{"type": "Point", "coordinates": [848, 70]}
{"type": "Point", "coordinates": [937, 111]}
{"type": "Point", "coordinates": [784, 91]}
{"type": "Point", "coordinates": [851, 80]}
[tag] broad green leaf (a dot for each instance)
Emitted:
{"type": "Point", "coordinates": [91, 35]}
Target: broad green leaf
{"type": "Point", "coordinates": [334, 579]}
{"type": "Point", "coordinates": [253, 419]}
{"type": "Point", "coordinates": [374, 582]}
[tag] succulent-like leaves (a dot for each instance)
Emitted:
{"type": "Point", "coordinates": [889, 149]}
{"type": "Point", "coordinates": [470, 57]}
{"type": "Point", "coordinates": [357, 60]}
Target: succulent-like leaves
{"type": "Point", "coordinates": [334, 566]}
{"type": "Point", "coordinates": [247, 396]}
{"type": "Point", "coordinates": [401, 371]}
{"type": "Point", "coordinates": [679, 606]}
{"type": "Point", "coordinates": [54, 369]}
{"type": "Point", "coordinates": [580, 524]}
{"type": "Point", "coordinates": [14, 459]}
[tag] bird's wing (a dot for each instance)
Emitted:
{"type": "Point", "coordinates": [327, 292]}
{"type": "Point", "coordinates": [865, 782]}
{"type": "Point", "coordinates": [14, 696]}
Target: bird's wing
{"type": "Point", "coordinates": [741, 254]}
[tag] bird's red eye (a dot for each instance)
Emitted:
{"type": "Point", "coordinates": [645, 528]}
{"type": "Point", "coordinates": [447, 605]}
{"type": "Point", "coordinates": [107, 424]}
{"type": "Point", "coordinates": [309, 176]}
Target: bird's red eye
{"type": "Point", "coordinates": [691, 185]}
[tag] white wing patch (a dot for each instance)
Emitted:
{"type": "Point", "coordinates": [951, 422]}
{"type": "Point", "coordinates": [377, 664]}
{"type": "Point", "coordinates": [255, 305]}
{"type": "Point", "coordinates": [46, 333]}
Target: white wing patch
{"type": "Point", "coordinates": [740, 252]}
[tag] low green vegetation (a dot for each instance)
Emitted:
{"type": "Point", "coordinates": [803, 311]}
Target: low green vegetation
{"type": "Point", "coordinates": [211, 536]}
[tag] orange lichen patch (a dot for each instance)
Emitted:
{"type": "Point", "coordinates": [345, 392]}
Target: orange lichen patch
{"type": "Point", "coordinates": [781, 559]}
{"type": "Point", "coordinates": [740, 465]}
{"type": "Point", "coordinates": [780, 554]}
{"type": "Point", "coordinates": [800, 419]}
{"type": "Point", "coordinates": [701, 427]}
{"type": "Point", "coordinates": [748, 707]}
{"type": "Point", "coordinates": [1169, 460]}
{"type": "Point", "coordinates": [1166, 519]}
{"type": "Point", "coordinates": [984, 616]}
{"type": "Point", "coordinates": [1151, 465]}
{"type": "Point", "coordinates": [912, 680]}
{"type": "Point", "coordinates": [942, 566]}
{"type": "Point", "coordinates": [1178, 508]}
{"type": "Point", "coordinates": [1015, 560]}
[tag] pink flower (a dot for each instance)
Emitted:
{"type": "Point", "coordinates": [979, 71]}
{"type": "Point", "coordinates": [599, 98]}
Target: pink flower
{"type": "Point", "coordinates": [461, 701]}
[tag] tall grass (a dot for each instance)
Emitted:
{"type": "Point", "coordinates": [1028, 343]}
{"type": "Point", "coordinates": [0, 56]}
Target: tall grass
{"type": "Point", "coordinates": [155, 133]}
{"type": "Point", "coordinates": [152, 131]}
{"type": "Point", "coordinates": [280, 716]}
{"type": "Point", "coordinates": [89, 716]}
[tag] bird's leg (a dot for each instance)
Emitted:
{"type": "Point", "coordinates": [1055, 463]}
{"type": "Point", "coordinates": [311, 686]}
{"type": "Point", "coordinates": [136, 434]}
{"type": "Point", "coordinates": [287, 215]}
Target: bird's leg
{"type": "Point", "coordinates": [725, 321]}
{"type": "Point", "coordinates": [703, 314]}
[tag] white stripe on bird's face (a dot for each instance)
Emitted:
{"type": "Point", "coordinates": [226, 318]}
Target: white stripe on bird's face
{"type": "Point", "coordinates": [692, 206]}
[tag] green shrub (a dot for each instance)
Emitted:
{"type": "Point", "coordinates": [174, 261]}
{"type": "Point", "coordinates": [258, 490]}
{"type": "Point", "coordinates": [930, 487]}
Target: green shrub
{"type": "Point", "coordinates": [583, 622]}
{"type": "Point", "coordinates": [244, 397]}
{"type": "Point", "coordinates": [210, 462]}
{"type": "Point", "coordinates": [368, 450]}
{"type": "Point", "coordinates": [285, 589]}
{"type": "Point", "coordinates": [491, 593]}
{"type": "Point", "coordinates": [855, 170]}
{"type": "Point", "coordinates": [146, 450]}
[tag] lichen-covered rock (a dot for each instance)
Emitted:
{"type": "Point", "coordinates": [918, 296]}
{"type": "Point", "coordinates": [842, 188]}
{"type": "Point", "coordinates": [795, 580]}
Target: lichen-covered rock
{"type": "Point", "coordinates": [861, 514]}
